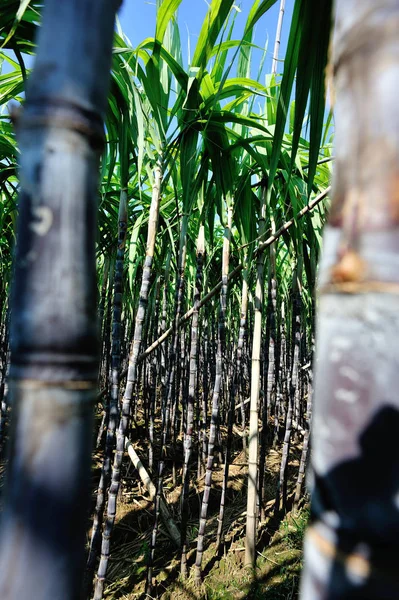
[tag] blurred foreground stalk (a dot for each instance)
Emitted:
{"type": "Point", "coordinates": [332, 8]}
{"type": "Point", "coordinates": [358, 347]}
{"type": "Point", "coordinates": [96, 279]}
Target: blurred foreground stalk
{"type": "Point", "coordinates": [53, 330]}
{"type": "Point", "coordinates": [352, 546]}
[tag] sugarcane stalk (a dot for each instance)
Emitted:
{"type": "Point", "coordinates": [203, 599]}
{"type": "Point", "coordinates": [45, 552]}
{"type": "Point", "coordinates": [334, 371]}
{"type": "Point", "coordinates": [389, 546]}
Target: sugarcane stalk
{"type": "Point", "coordinates": [215, 398]}
{"type": "Point", "coordinates": [250, 533]}
{"type": "Point", "coordinates": [112, 412]}
{"type": "Point", "coordinates": [355, 463]}
{"type": "Point", "coordinates": [191, 400]}
{"type": "Point", "coordinates": [281, 494]}
{"type": "Point", "coordinates": [240, 348]}
{"type": "Point", "coordinates": [54, 341]}
{"type": "Point", "coordinates": [3, 376]}
{"type": "Point", "coordinates": [130, 386]}
{"type": "Point", "coordinates": [271, 360]}
{"type": "Point", "coordinates": [278, 37]}
{"type": "Point", "coordinates": [305, 444]}
{"type": "Point", "coordinates": [163, 507]}
{"type": "Point", "coordinates": [231, 392]}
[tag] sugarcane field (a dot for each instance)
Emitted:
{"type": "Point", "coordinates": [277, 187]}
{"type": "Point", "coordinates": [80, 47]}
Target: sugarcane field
{"type": "Point", "coordinates": [199, 307]}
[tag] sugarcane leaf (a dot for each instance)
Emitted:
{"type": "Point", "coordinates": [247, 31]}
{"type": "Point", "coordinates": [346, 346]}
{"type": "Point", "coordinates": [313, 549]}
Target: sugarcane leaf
{"type": "Point", "coordinates": [211, 27]}
{"type": "Point", "coordinates": [164, 14]}
{"type": "Point", "coordinates": [257, 11]}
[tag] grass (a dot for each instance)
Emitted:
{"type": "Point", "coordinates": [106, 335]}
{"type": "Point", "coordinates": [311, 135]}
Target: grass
{"type": "Point", "coordinates": [294, 528]}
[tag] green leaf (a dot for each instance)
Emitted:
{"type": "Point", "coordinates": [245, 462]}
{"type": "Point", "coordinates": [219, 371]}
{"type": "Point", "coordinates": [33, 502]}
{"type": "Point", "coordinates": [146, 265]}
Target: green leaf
{"type": "Point", "coordinates": [164, 14]}
{"type": "Point", "coordinates": [211, 27]}
{"type": "Point", "coordinates": [257, 11]}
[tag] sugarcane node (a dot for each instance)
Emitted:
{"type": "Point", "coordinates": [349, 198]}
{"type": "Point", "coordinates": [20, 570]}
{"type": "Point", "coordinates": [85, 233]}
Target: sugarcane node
{"type": "Point", "coordinates": [53, 112]}
{"type": "Point", "coordinates": [350, 268]}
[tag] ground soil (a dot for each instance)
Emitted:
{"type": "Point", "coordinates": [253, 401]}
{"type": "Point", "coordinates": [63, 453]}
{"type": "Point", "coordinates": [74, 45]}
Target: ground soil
{"type": "Point", "coordinates": [279, 547]}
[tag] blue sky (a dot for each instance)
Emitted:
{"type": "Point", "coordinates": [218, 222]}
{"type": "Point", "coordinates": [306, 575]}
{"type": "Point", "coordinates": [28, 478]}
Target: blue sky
{"type": "Point", "coordinates": [137, 18]}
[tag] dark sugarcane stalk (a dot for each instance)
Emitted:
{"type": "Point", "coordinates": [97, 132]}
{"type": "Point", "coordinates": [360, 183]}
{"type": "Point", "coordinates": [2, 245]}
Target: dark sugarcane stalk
{"type": "Point", "coordinates": [352, 546]}
{"type": "Point", "coordinates": [112, 412]}
{"type": "Point", "coordinates": [162, 328]}
{"type": "Point", "coordinates": [191, 400]}
{"type": "Point", "coordinates": [203, 439]}
{"type": "Point", "coordinates": [106, 347]}
{"type": "Point", "coordinates": [297, 400]}
{"type": "Point", "coordinates": [149, 380]}
{"type": "Point", "coordinates": [130, 386]}
{"type": "Point", "coordinates": [181, 398]}
{"type": "Point", "coordinates": [154, 533]}
{"type": "Point", "coordinates": [178, 419]}
{"type": "Point", "coordinates": [167, 402]}
{"type": "Point", "coordinates": [252, 494]}
{"type": "Point", "coordinates": [281, 374]}
{"type": "Point", "coordinates": [105, 356]}
{"type": "Point", "coordinates": [306, 444]}
{"type": "Point", "coordinates": [151, 410]}
{"type": "Point", "coordinates": [153, 379]}
{"type": "Point", "coordinates": [3, 375]}
{"type": "Point", "coordinates": [103, 315]}
{"type": "Point", "coordinates": [229, 443]}
{"type": "Point", "coordinates": [145, 391]}
{"type": "Point", "coordinates": [161, 467]}
{"type": "Point", "coordinates": [103, 296]}
{"type": "Point", "coordinates": [54, 340]}
{"type": "Point", "coordinates": [215, 397]}
{"type": "Point", "coordinates": [240, 349]}
{"type": "Point", "coordinates": [301, 379]}
{"type": "Point", "coordinates": [175, 358]}
{"type": "Point", "coordinates": [271, 361]}
{"type": "Point", "coordinates": [281, 494]}
{"type": "Point", "coordinates": [174, 354]}
{"type": "Point", "coordinates": [232, 393]}
{"type": "Point", "coordinates": [199, 390]}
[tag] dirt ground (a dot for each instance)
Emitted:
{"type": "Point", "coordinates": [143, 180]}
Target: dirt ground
{"type": "Point", "coordinates": [279, 547]}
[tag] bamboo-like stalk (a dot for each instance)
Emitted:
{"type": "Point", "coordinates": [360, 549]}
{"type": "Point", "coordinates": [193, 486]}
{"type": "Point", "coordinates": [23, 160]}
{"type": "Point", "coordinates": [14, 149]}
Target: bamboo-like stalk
{"type": "Point", "coordinates": [293, 389]}
{"type": "Point", "coordinates": [53, 326]}
{"type": "Point", "coordinates": [154, 533]}
{"type": "Point", "coordinates": [230, 413]}
{"type": "Point", "coordinates": [271, 361]}
{"type": "Point", "coordinates": [281, 373]}
{"type": "Point", "coordinates": [216, 394]}
{"type": "Point", "coordinates": [305, 446]}
{"type": "Point", "coordinates": [3, 376]}
{"type": "Point", "coordinates": [351, 549]}
{"type": "Point", "coordinates": [107, 342]}
{"type": "Point", "coordinates": [174, 355]}
{"type": "Point", "coordinates": [152, 408]}
{"type": "Point", "coordinates": [163, 507]}
{"type": "Point", "coordinates": [278, 36]}
{"type": "Point", "coordinates": [250, 533]}
{"type": "Point", "coordinates": [240, 348]}
{"type": "Point", "coordinates": [103, 297]}
{"type": "Point", "coordinates": [202, 438]}
{"type": "Point", "coordinates": [112, 412]}
{"type": "Point", "coordinates": [191, 399]}
{"type": "Point", "coordinates": [130, 385]}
